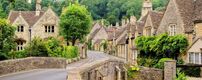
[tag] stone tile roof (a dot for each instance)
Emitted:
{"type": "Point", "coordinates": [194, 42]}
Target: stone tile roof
{"type": "Point", "coordinates": [98, 41]}
{"type": "Point", "coordinates": [115, 34]}
{"type": "Point", "coordinates": [29, 16]}
{"type": "Point", "coordinates": [122, 40]}
{"type": "Point", "coordinates": [140, 24]}
{"type": "Point", "coordinates": [156, 18]}
{"type": "Point", "coordinates": [198, 10]}
{"type": "Point", "coordinates": [186, 10]}
{"type": "Point", "coordinates": [196, 39]}
{"type": "Point", "coordinates": [92, 35]}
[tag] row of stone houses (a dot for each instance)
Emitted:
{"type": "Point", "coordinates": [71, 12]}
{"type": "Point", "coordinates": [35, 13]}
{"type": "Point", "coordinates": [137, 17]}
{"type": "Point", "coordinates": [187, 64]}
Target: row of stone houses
{"type": "Point", "coordinates": [30, 24]}
{"type": "Point", "coordinates": [179, 17]}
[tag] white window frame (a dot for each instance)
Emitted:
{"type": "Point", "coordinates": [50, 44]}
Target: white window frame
{"type": "Point", "coordinates": [172, 29]}
{"type": "Point", "coordinates": [194, 57]}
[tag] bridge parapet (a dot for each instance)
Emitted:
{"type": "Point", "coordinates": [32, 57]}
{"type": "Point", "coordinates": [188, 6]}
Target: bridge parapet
{"type": "Point", "coordinates": [30, 63]}
{"type": "Point", "coordinates": [105, 69]}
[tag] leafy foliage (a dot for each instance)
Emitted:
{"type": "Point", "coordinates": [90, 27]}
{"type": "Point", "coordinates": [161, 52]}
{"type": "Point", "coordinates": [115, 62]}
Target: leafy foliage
{"type": "Point", "coordinates": [147, 61]}
{"type": "Point", "coordinates": [75, 22]}
{"type": "Point", "coordinates": [162, 45]}
{"type": "Point", "coordinates": [160, 63]}
{"type": "Point", "coordinates": [104, 44]}
{"type": "Point", "coordinates": [50, 47]}
{"type": "Point", "coordinates": [132, 70]}
{"type": "Point", "coordinates": [191, 71]}
{"type": "Point", "coordinates": [6, 39]}
{"type": "Point", "coordinates": [37, 47]}
{"type": "Point", "coordinates": [110, 10]}
{"type": "Point", "coordinates": [17, 54]}
{"type": "Point", "coordinates": [180, 75]}
{"type": "Point", "coordinates": [22, 5]}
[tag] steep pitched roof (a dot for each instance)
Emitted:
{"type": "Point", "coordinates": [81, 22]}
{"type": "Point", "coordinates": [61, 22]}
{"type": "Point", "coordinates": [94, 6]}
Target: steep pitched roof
{"type": "Point", "coordinates": [123, 39]}
{"type": "Point", "coordinates": [186, 10]}
{"type": "Point", "coordinates": [198, 38]}
{"type": "Point", "coordinates": [141, 23]}
{"type": "Point", "coordinates": [140, 26]}
{"type": "Point", "coordinates": [198, 10]}
{"type": "Point", "coordinates": [156, 18]}
{"type": "Point", "coordinates": [92, 35]}
{"type": "Point", "coordinates": [29, 16]}
{"type": "Point", "coordinates": [98, 41]}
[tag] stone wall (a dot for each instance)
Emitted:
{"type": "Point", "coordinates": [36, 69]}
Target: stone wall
{"type": "Point", "coordinates": [149, 74]}
{"type": "Point", "coordinates": [102, 70]}
{"type": "Point", "coordinates": [16, 65]}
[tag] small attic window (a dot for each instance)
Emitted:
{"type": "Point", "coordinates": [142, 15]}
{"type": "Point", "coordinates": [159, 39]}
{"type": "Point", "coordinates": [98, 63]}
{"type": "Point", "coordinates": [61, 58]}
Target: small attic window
{"type": "Point", "coordinates": [20, 28]}
{"type": "Point", "coordinates": [172, 29]}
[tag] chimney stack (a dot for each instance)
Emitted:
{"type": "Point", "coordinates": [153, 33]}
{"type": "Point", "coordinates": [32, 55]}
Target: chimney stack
{"type": "Point", "coordinates": [38, 7]}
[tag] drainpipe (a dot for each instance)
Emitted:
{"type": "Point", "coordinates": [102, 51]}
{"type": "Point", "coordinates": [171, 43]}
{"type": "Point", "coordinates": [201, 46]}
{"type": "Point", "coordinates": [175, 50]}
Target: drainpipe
{"type": "Point", "coordinates": [30, 39]}
{"type": "Point", "coordinates": [30, 34]}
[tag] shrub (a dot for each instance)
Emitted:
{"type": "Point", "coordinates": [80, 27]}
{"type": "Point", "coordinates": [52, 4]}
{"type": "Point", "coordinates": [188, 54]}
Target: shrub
{"type": "Point", "coordinates": [147, 62]}
{"type": "Point", "coordinates": [17, 54]}
{"type": "Point", "coordinates": [180, 75]}
{"type": "Point", "coordinates": [191, 71]}
{"type": "Point", "coordinates": [54, 47]}
{"type": "Point", "coordinates": [160, 63]}
{"type": "Point", "coordinates": [72, 51]}
{"type": "Point", "coordinates": [50, 47]}
{"type": "Point", "coordinates": [37, 48]}
{"type": "Point", "coordinates": [57, 49]}
{"type": "Point", "coordinates": [132, 70]}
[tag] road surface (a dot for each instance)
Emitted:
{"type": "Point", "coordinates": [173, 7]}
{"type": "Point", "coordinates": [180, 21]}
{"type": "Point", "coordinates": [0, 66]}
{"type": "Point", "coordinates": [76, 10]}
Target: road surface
{"type": "Point", "coordinates": [39, 74]}
{"type": "Point", "coordinates": [58, 74]}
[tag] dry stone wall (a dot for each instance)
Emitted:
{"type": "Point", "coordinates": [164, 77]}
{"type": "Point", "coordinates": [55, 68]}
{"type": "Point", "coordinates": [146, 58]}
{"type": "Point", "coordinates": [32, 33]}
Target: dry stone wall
{"type": "Point", "coordinates": [149, 74]}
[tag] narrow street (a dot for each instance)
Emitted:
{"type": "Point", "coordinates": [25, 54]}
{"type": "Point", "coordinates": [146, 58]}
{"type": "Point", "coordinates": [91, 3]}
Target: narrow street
{"type": "Point", "coordinates": [58, 74]}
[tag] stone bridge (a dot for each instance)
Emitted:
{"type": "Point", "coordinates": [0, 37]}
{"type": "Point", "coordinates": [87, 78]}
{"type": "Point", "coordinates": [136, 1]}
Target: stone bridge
{"type": "Point", "coordinates": [97, 66]}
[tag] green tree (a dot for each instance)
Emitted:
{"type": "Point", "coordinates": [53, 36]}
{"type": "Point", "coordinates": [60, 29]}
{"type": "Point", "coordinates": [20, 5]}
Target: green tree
{"type": "Point", "coordinates": [6, 39]}
{"type": "Point", "coordinates": [159, 3]}
{"type": "Point", "coordinates": [75, 22]}
{"type": "Point", "coordinates": [2, 13]}
{"type": "Point", "coordinates": [22, 5]}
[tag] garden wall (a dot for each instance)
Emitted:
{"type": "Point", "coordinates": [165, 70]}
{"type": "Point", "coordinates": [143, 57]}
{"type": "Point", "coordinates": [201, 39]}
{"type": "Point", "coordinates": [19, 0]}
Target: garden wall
{"type": "Point", "coordinates": [149, 74]}
{"type": "Point", "coordinates": [16, 65]}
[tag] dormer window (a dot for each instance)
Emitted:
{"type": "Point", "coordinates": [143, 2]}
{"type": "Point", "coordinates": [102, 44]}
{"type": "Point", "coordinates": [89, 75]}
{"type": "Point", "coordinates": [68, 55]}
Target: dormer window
{"type": "Point", "coordinates": [49, 29]}
{"type": "Point", "coordinates": [20, 28]}
{"type": "Point", "coordinates": [172, 29]}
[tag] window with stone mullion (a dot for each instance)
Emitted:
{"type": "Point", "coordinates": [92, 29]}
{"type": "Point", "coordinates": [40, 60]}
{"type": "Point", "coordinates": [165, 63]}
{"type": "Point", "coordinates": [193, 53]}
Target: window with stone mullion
{"type": "Point", "coordinates": [49, 29]}
{"type": "Point", "coordinates": [20, 28]}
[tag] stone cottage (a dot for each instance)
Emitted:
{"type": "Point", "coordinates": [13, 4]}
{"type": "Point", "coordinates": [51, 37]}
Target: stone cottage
{"type": "Point", "coordinates": [97, 35]}
{"type": "Point", "coordinates": [30, 24]}
{"type": "Point", "coordinates": [152, 22]}
{"type": "Point", "coordinates": [178, 19]}
{"type": "Point", "coordinates": [194, 52]}
{"type": "Point", "coordinates": [184, 17]}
